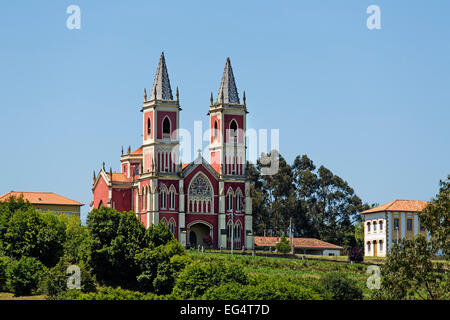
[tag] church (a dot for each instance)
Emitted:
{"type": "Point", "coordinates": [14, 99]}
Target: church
{"type": "Point", "coordinates": [203, 203]}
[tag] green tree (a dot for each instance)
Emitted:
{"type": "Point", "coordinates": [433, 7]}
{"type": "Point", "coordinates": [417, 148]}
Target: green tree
{"type": "Point", "coordinates": [77, 244]}
{"type": "Point", "coordinates": [435, 217]}
{"type": "Point", "coordinates": [157, 270]}
{"type": "Point", "coordinates": [409, 273]}
{"type": "Point", "coordinates": [284, 246]}
{"type": "Point", "coordinates": [115, 240]}
{"type": "Point", "coordinates": [24, 275]}
{"type": "Point", "coordinates": [35, 234]}
{"type": "Point", "coordinates": [7, 209]}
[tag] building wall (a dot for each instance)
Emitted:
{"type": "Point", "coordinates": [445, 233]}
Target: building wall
{"type": "Point", "coordinates": [376, 237]}
{"type": "Point", "coordinates": [57, 208]}
{"type": "Point", "coordinates": [100, 193]}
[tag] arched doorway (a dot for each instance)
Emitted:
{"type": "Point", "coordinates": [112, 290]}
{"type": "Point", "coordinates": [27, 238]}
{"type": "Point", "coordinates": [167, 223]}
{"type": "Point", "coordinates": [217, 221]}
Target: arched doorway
{"type": "Point", "coordinates": [192, 239]}
{"type": "Point", "coordinates": [200, 233]}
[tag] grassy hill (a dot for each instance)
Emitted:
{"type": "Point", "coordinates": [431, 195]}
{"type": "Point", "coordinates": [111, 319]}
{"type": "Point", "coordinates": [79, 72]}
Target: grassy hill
{"type": "Point", "coordinates": [303, 272]}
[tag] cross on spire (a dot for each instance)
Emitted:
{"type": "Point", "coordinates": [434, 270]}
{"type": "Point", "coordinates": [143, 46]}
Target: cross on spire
{"type": "Point", "coordinates": [228, 91]}
{"type": "Point", "coordinates": [161, 85]}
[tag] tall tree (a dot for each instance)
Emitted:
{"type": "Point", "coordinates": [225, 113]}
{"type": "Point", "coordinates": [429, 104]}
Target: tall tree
{"type": "Point", "coordinates": [435, 217]}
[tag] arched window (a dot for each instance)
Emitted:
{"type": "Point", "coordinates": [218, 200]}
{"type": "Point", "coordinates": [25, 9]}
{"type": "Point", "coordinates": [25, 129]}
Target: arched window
{"type": "Point", "coordinates": [239, 200]}
{"type": "Point", "coordinates": [164, 220]}
{"type": "Point", "coordinates": [233, 128]}
{"type": "Point", "coordinates": [200, 195]}
{"type": "Point", "coordinates": [149, 127]}
{"type": "Point", "coordinates": [216, 130]}
{"type": "Point", "coordinates": [172, 198]}
{"type": "Point", "coordinates": [381, 225]}
{"type": "Point", "coordinates": [381, 245]}
{"type": "Point", "coordinates": [230, 200]}
{"type": "Point", "coordinates": [368, 246]}
{"type": "Point", "coordinates": [163, 196]}
{"type": "Point", "coordinates": [368, 227]}
{"type": "Point", "coordinates": [374, 226]}
{"type": "Point", "coordinates": [166, 126]}
{"type": "Point", "coordinates": [172, 225]}
{"type": "Point", "coordinates": [229, 233]}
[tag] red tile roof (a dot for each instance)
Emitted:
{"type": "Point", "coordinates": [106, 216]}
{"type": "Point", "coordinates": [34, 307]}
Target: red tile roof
{"type": "Point", "coordinates": [298, 243]}
{"type": "Point", "coordinates": [137, 151]}
{"type": "Point", "coordinates": [400, 205]}
{"type": "Point", "coordinates": [118, 177]}
{"type": "Point", "coordinates": [42, 198]}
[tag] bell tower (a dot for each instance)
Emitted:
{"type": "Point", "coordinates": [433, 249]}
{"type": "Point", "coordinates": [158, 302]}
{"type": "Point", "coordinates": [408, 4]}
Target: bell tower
{"type": "Point", "coordinates": [160, 122]}
{"type": "Point", "coordinates": [227, 126]}
{"type": "Point", "coordinates": [160, 146]}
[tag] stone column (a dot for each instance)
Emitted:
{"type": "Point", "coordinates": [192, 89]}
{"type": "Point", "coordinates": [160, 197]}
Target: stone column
{"type": "Point", "coordinates": [149, 208]}
{"type": "Point", "coordinates": [222, 237]}
{"type": "Point", "coordinates": [181, 215]}
{"type": "Point", "coordinates": [249, 243]}
{"type": "Point", "coordinates": [155, 204]}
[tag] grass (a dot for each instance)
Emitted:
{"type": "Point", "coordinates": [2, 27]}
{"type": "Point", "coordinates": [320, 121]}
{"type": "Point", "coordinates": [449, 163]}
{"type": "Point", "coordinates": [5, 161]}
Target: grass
{"type": "Point", "coordinates": [10, 296]}
{"type": "Point", "coordinates": [293, 270]}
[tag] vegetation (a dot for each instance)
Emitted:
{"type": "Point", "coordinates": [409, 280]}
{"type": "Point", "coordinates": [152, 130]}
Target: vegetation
{"type": "Point", "coordinates": [320, 204]}
{"type": "Point", "coordinates": [284, 246]}
{"type": "Point", "coordinates": [119, 259]}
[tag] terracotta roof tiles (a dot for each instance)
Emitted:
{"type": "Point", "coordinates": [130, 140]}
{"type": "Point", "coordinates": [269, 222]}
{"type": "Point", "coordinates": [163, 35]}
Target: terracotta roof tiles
{"type": "Point", "coordinates": [298, 243]}
{"type": "Point", "coordinates": [400, 205]}
{"type": "Point", "coordinates": [42, 198]}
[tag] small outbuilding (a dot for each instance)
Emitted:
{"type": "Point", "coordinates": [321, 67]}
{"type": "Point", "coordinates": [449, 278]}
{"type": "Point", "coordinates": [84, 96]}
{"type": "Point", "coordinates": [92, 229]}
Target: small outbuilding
{"type": "Point", "coordinates": [301, 245]}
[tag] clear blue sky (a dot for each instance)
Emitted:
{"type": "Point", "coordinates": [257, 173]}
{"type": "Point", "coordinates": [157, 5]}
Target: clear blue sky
{"type": "Point", "coordinates": [371, 105]}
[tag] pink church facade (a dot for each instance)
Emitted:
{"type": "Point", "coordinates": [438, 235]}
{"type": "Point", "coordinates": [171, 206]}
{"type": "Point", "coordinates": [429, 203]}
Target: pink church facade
{"type": "Point", "coordinates": [203, 203]}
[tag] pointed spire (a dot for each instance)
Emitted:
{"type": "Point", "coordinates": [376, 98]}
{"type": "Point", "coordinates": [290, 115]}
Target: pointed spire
{"type": "Point", "coordinates": [161, 86]}
{"type": "Point", "coordinates": [103, 166]}
{"type": "Point", "coordinates": [94, 176]}
{"type": "Point", "coordinates": [243, 98]}
{"type": "Point", "coordinates": [129, 149]}
{"type": "Point", "coordinates": [145, 95]}
{"type": "Point", "coordinates": [122, 150]}
{"type": "Point", "coordinates": [178, 95]}
{"type": "Point", "coordinates": [211, 99]}
{"type": "Point", "coordinates": [110, 172]}
{"type": "Point", "coordinates": [228, 91]}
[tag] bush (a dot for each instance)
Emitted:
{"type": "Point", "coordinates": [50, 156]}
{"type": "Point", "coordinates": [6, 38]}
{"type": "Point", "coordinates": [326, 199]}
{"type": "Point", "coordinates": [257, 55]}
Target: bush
{"type": "Point", "coordinates": [199, 276]}
{"type": "Point", "coordinates": [23, 276]}
{"type": "Point", "coordinates": [4, 261]}
{"type": "Point", "coordinates": [35, 234]}
{"type": "Point", "coordinates": [116, 237]}
{"type": "Point", "coordinates": [355, 255]}
{"type": "Point", "coordinates": [270, 290]}
{"type": "Point", "coordinates": [284, 246]}
{"type": "Point", "coordinates": [156, 270]}
{"type": "Point", "coordinates": [108, 293]}
{"type": "Point", "coordinates": [340, 287]}
{"type": "Point", "coordinates": [54, 281]}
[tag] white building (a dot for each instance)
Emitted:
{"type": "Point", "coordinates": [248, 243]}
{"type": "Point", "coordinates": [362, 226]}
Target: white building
{"type": "Point", "coordinates": [390, 222]}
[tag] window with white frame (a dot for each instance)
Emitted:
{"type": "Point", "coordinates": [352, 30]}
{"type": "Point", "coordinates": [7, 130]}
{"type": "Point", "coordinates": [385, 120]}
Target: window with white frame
{"type": "Point", "coordinates": [238, 200]}
{"type": "Point", "coordinates": [172, 198]}
{"type": "Point", "coordinates": [163, 197]}
{"type": "Point", "coordinates": [230, 200]}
